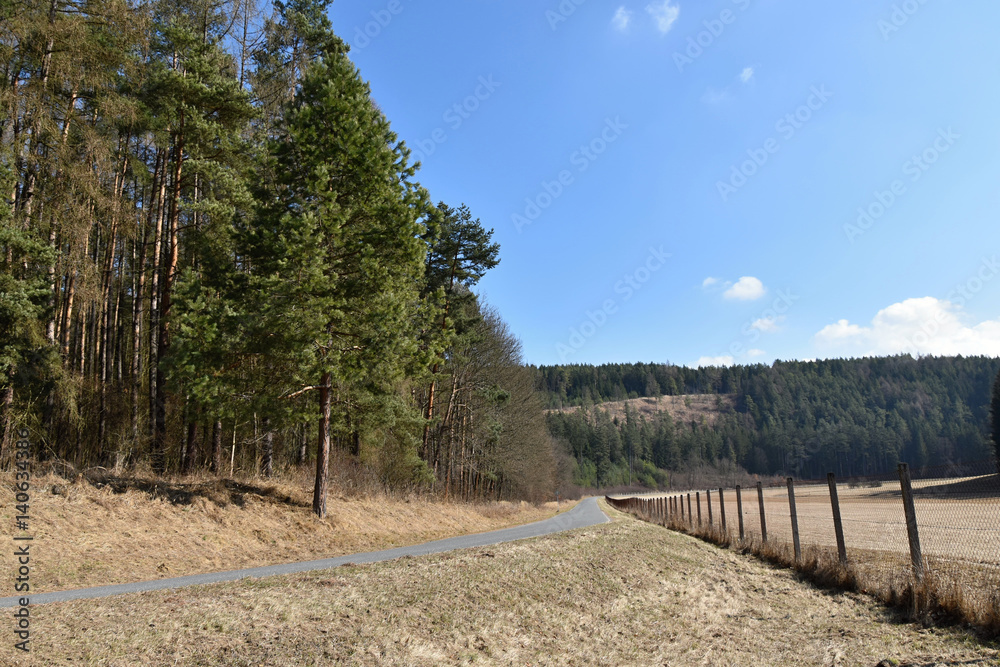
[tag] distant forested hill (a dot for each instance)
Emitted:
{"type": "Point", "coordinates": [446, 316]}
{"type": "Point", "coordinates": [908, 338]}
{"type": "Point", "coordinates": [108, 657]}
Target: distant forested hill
{"type": "Point", "coordinates": [853, 417]}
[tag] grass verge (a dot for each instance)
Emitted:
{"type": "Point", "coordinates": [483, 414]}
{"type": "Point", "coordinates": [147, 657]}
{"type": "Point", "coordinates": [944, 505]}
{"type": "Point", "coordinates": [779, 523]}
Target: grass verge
{"type": "Point", "coordinates": [621, 593]}
{"type": "Point", "coordinates": [98, 529]}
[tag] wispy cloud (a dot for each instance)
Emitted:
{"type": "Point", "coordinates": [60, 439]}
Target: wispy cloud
{"type": "Point", "coordinates": [664, 14]}
{"type": "Point", "coordinates": [746, 74]}
{"type": "Point", "coordinates": [713, 96]}
{"type": "Point", "coordinates": [746, 288]}
{"type": "Point", "coordinates": [753, 354]}
{"type": "Point", "coordinates": [622, 19]}
{"type": "Point", "coordinates": [767, 324]}
{"type": "Point", "coordinates": [708, 282]}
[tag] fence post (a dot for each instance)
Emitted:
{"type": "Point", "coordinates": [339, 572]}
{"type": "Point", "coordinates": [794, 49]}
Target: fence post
{"type": "Point", "coordinates": [838, 525]}
{"type": "Point", "coordinates": [763, 521]}
{"type": "Point", "coordinates": [722, 510]}
{"type": "Point", "coordinates": [739, 508]}
{"type": "Point", "coordinates": [697, 497]}
{"type": "Point", "coordinates": [690, 516]}
{"type": "Point", "coordinates": [708, 496]}
{"type": "Point", "coordinates": [911, 522]}
{"type": "Point", "coordinates": [795, 519]}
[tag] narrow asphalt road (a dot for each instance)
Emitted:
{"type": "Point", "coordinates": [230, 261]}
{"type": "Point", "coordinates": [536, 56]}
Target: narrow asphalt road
{"type": "Point", "coordinates": [586, 513]}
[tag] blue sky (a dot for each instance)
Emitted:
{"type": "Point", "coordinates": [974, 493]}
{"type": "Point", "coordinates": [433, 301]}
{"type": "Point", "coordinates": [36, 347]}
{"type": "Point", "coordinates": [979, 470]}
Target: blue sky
{"type": "Point", "coordinates": [713, 182]}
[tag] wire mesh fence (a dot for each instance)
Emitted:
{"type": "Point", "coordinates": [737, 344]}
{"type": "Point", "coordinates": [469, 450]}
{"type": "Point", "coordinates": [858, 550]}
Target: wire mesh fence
{"type": "Point", "coordinates": [947, 558]}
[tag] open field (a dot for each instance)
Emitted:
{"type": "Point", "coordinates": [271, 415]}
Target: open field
{"type": "Point", "coordinates": [124, 530]}
{"type": "Point", "coordinates": [959, 519]}
{"type": "Point", "coordinates": [959, 528]}
{"type": "Point", "coordinates": [622, 593]}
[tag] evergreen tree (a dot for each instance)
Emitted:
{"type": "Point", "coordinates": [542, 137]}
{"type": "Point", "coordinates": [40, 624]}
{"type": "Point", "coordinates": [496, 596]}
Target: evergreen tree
{"type": "Point", "coordinates": [337, 248]}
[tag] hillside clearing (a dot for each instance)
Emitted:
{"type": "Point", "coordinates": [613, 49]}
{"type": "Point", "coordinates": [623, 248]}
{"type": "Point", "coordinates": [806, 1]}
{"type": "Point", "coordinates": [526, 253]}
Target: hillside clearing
{"type": "Point", "coordinates": [682, 409]}
{"type": "Point", "coordinates": [620, 593]}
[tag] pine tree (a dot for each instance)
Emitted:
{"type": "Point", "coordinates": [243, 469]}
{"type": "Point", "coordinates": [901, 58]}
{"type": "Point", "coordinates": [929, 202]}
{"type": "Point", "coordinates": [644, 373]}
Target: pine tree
{"type": "Point", "coordinates": [27, 358]}
{"type": "Point", "coordinates": [337, 248]}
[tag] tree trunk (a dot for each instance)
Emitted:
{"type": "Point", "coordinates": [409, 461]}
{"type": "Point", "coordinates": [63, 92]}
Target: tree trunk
{"type": "Point", "coordinates": [135, 364]}
{"type": "Point", "coordinates": [303, 445]}
{"type": "Point", "coordinates": [323, 448]}
{"type": "Point", "coordinates": [5, 423]}
{"type": "Point", "coordinates": [154, 299]}
{"type": "Point", "coordinates": [169, 274]}
{"type": "Point", "coordinates": [217, 447]}
{"type": "Point", "coordinates": [267, 457]}
{"type": "Point", "coordinates": [191, 446]}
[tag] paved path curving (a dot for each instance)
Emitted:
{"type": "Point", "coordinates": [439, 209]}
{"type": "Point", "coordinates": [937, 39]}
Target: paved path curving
{"type": "Point", "coordinates": [586, 513]}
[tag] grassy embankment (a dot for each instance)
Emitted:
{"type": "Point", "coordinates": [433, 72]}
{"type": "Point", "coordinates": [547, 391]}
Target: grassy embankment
{"type": "Point", "coordinates": [622, 593]}
{"type": "Point", "coordinates": [111, 530]}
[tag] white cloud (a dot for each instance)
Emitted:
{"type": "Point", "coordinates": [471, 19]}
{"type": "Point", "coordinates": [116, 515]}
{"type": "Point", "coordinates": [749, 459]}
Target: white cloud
{"type": "Point", "coordinates": [746, 288]}
{"type": "Point", "coordinates": [767, 324]}
{"type": "Point", "coordinates": [708, 282]}
{"type": "Point", "coordinates": [916, 326]}
{"type": "Point", "coordinates": [665, 14]}
{"type": "Point", "coordinates": [714, 361]}
{"type": "Point", "coordinates": [622, 19]}
{"type": "Point", "coordinates": [755, 353]}
{"type": "Point", "coordinates": [713, 96]}
{"type": "Point", "coordinates": [746, 74]}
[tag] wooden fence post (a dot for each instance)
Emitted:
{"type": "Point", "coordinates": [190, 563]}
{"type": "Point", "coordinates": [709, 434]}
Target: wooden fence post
{"type": "Point", "coordinates": [795, 520]}
{"type": "Point", "coordinates": [708, 497]}
{"type": "Point", "coordinates": [722, 510]}
{"type": "Point", "coordinates": [911, 522]}
{"type": "Point", "coordinates": [739, 509]}
{"type": "Point", "coordinates": [763, 521]}
{"type": "Point", "coordinates": [838, 524]}
{"type": "Point", "coordinates": [697, 497]}
{"type": "Point", "coordinates": [690, 516]}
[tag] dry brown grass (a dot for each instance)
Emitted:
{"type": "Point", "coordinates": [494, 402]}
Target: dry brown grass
{"type": "Point", "coordinates": [622, 593]}
{"type": "Point", "coordinates": [955, 588]}
{"type": "Point", "coordinates": [107, 530]}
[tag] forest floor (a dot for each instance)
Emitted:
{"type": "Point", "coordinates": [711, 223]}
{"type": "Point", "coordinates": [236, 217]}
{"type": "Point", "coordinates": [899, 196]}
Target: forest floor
{"type": "Point", "coordinates": [96, 530]}
{"type": "Point", "coordinates": [620, 593]}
